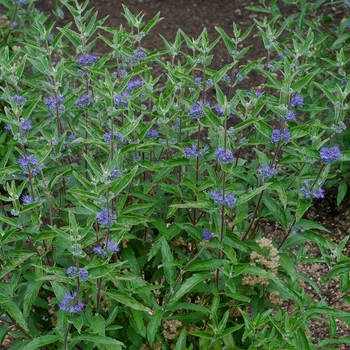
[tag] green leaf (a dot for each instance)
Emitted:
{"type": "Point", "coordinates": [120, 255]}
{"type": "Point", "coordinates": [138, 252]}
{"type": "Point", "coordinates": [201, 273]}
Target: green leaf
{"type": "Point", "coordinates": [205, 335]}
{"type": "Point", "coordinates": [31, 293]}
{"type": "Point", "coordinates": [275, 209]}
{"type": "Point", "coordinates": [12, 264]}
{"type": "Point", "coordinates": [13, 310]}
{"type": "Point", "coordinates": [95, 338]}
{"type": "Point", "coordinates": [256, 9]}
{"type": "Point", "coordinates": [187, 286]}
{"type": "Point", "coordinates": [126, 300]}
{"type": "Point", "coordinates": [305, 80]}
{"type": "Point", "coordinates": [103, 270]}
{"type": "Point", "coordinates": [39, 342]}
{"type": "Point", "coordinates": [248, 195]}
{"type": "Point", "coordinates": [123, 181]}
{"type": "Point", "coordinates": [208, 264]}
{"type": "Point", "coordinates": [329, 95]}
{"type": "Point", "coordinates": [169, 270]}
{"type": "Point", "coordinates": [98, 324]}
{"type": "Point", "coordinates": [181, 341]}
{"type": "Point", "coordinates": [93, 166]}
{"type": "Point", "coordinates": [342, 190]}
{"type": "Point", "coordinates": [154, 325]}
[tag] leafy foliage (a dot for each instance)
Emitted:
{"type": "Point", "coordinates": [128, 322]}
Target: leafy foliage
{"type": "Point", "coordinates": [131, 204]}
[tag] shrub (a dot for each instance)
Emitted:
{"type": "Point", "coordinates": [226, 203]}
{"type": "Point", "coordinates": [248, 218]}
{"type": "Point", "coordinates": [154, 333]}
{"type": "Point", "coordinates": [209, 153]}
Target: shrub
{"type": "Point", "coordinates": [132, 204]}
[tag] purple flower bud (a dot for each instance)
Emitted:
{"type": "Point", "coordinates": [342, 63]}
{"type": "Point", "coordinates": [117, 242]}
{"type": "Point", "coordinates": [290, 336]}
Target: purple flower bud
{"type": "Point", "coordinates": [70, 304]}
{"type": "Point", "coordinates": [229, 200]}
{"type": "Point", "coordinates": [207, 235]}
{"type": "Point", "coordinates": [330, 155]}
{"type": "Point", "coordinates": [224, 156]}
{"type": "Point", "coordinates": [74, 272]}
{"type": "Point", "coordinates": [88, 59]}
{"type": "Point", "coordinates": [290, 117]}
{"type": "Point", "coordinates": [139, 54]}
{"type": "Point", "coordinates": [197, 111]}
{"type": "Point", "coordinates": [84, 101]}
{"type": "Point", "coordinates": [105, 218]}
{"type": "Point", "coordinates": [152, 134]}
{"type": "Point", "coordinates": [297, 100]}
{"type": "Point", "coordinates": [192, 151]}
{"type": "Point", "coordinates": [19, 99]}
{"type": "Point", "coordinates": [265, 172]}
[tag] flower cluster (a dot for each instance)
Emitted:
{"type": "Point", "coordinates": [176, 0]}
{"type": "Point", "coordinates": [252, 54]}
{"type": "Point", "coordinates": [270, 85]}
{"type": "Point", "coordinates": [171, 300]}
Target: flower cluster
{"type": "Point", "coordinates": [219, 198]}
{"type": "Point", "coordinates": [207, 235]}
{"type": "Point", "coordinates": [108, 248]}
{"type": "Point", "coordinates": [88, 59]}
{"type": "Point", "coordinates": [116, 172]}
{"type": "Point", "coordinates": [330, 155]}
{"type": "Point", "coordinates": [52, 102]}
{"type": "Point", "coordinates": [81, 273]}
{"type": "Point", "coordinates": [70, 304]}
{"type": "Point", "coordinates": [120, 100]}
{"type": "Point", "coordinates": [29, 164]}
{"type": "Point", "coordinates": [224, 156]}
{"type": "Point", "coordinates": [108, 137]}
{"type": "Point", "coordinates": [265, 172]}
{"type": "Point", "coordinates": [84, 101]}
{"type": "Point", "coordinates": [308, 192]}
{"type": "Point", "coordinates": [139, 54]}
{"type": "Point", "coordinates": [105, 218]}
{"type": "Point", "coordinates": [25, 125]}
{"type": "Point", "coordinates": [27, 199]}
{"type": "Point", "coordinates": [152, 134]}
{"type": "Point", "coordinates": [192, 151]}
{"type": "Point", "coordinates": [290, 116]}
{"type": "Point", "coordinates": [208, 83]}
{"type": "Point", "coordinates": [297, 101]}
{"type": "Point", "coordinates": [197, 111]}
{"type": "Point", "coordinates": [133, 85]}
{"type": "Point", "coordinates": [22, 2]}
{"type": "Point", "coordinates": [19, 99]}
{"type": "Point", "coordinates": [277, 136]}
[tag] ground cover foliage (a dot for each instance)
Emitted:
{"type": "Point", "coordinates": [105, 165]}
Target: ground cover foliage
{"type": "Point", "coordinates": [130, 203]}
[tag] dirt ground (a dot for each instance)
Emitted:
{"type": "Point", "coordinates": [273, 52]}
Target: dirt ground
{"type": "Point", "coordinates": [192, 16]}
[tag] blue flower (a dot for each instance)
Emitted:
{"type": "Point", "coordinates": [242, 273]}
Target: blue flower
{"type": "Point", "coordinates": [152, 134]}
{"type": "Point", "coordinates": [105, 218]}
{"type": "Point", "coordinates": [109, 248]}
{"type": "Point", "coordinates": [29, 163]}
{"type": "Point", "coordinates": [25, 126]}
{"type": "Point", "coordinates": [139, 54]}
{"type": "Point", "coordinates": [265, 172]}
{"type": "Point", "coordinates": [290, 116]}
{"type": "Point", "coordinates": [70, 304]}
{"type": "Point", "coordinates": [224, 156]}
{"type": "Point", "coordinates": [192, 151]}
{"type": "Point", "coordinates": [53, 103]}
{"type": "Point", "coordinates": [207, 235]}
{"type": "Point", "coordinates": [330, 155]}
{"type": "Point", "coordinates": [229, 200]}
{"type": "Point", "coordinates": [197, 111]}
{"type": "Point", "coordinates": [88, 59]}
{"type": "Point", "coordinates": [84, 101]}
{"type": "Point", "coordinates": [278, 136]}
{"type": "Point", "coordinates": [120, 100]}
{"type": "Point", "coordinates": [74, 272]}
{"type": "Point", "coordinates": [309, 193]}
{"type": "Point", "coordinates": [19, 99]}
{"type": "Point", "coordinates": [27, 199]}
{"type": "Point", "coordinates": [297, 100]}
{"type": "Point", "coordinates": [133, 85]}
{"type": "Point", "coordinates": [22, 2]}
